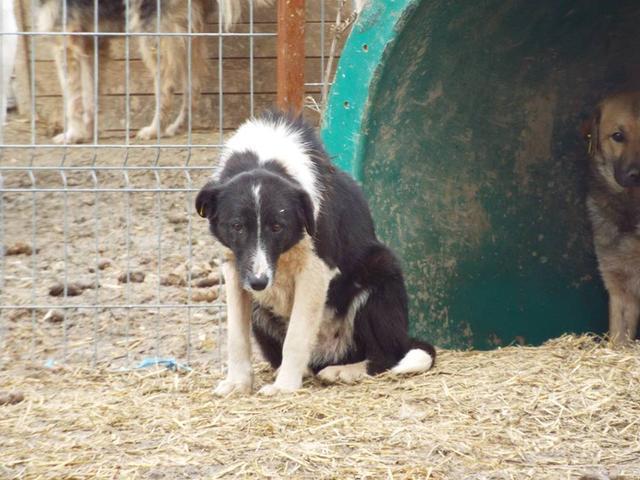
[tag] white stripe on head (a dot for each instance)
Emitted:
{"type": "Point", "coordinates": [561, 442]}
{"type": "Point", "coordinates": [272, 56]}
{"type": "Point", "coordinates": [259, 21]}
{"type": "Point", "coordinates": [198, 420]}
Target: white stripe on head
{"type": "Point", "coordinates": [256, 197]}
{"type": "Point", "coordinates": [259, 265]}
{"type": "Point", "coordinates": [276, 141]}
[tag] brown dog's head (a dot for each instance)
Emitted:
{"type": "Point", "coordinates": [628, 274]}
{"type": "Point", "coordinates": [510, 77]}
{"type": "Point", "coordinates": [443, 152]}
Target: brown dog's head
{"type": "Point", "coordinates": [613, 133]}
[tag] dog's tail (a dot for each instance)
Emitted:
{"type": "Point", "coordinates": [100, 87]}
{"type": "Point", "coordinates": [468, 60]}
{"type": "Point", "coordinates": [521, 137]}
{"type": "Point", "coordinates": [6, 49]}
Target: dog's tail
{"type": "Point", "coordinates": [230, 11]}
{"type": "Point", "coordinates": [420, 358]}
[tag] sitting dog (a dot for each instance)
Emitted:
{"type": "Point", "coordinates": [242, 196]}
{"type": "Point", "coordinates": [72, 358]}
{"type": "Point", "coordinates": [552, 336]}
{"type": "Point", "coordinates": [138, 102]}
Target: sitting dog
{"type": "Point", "coordinates": [74, 54]}
{"type": "Point", "coordinates": [613, 135]}
{"type": "Point", "coordinates": [304, 269]}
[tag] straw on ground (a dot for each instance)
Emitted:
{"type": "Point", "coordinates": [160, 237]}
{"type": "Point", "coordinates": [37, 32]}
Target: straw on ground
{"type": "Point", "coordinates": [568, 409]}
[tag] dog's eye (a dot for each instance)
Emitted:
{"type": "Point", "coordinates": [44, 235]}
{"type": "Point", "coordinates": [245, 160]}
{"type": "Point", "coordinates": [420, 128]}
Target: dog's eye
{"type": "Point", "coordinates": [237, 226]}
{"type": "Point", "coordinates": [276, 227]}
{"type": "Point", "coordinates": [618, 137]}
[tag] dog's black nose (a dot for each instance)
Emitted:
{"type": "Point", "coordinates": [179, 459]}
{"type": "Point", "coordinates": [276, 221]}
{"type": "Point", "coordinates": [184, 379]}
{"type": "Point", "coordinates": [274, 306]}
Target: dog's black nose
{"type": "Point", "coordinates": [627, 175]}
{"type": "Point", "coordinates": [633, 174]}
{"type": "Point", "coordinates": [258, 283]}
{"type": "Point", "coordinates": [630, 177]}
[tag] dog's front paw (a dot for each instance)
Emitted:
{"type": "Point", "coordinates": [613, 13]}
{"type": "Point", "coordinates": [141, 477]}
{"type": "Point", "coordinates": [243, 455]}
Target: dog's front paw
{"type": "Point", "coordinates": [343, 373]}
{"type": "Point", "coordinates": [273, 389]}
{"type": "Point", "coordinates": [172, 129]}
{"type": "Point", "coordinates": [284, 384]}
{"type": "Point", "coordinates": [147, 133]}
{"type": "Point", "coordinates": [227, 387]}
{"type": "Point", "coordinates": [69, 137]}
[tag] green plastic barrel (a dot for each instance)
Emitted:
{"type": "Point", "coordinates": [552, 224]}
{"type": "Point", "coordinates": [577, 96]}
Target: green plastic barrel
{"type": "Point", "coordinates": [460, 119]}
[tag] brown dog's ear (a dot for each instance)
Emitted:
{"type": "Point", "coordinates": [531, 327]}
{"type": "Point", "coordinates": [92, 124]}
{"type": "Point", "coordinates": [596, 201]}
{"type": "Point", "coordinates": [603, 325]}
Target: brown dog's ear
{"type": "Point", "coordinates": [306, 212]}
{"type": "Point", "coordinates": [589, 129]}
{"type": "Point", "coordinates": [206, 201]}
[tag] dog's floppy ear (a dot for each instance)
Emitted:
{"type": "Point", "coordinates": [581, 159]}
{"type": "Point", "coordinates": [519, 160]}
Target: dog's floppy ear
{"type": "Point", "coordinates": [589, 129]}
{"type": "Point", "coordinates": [306, 212]}
{"type": "Point", "coordinates": [206, 201]}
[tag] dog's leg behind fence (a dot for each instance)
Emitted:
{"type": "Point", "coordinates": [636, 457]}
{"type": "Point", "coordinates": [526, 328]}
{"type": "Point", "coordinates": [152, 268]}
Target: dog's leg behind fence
{"type": "Point", "coordinates": [191, 80]}
{"type": "Point", "coordinates": [178, 123]}
{"type": "Point", "coordinates": [71, 76]}
{"type": "Point", "coordinates": [88, 85]}
{"type": "Point", "coordinates": [182, 51]}
{"type": "Point", "coordinates": [161, 69]}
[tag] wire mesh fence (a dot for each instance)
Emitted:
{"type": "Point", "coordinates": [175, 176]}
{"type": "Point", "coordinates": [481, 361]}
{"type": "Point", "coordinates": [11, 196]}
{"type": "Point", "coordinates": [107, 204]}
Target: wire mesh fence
{"type": "Point", "coordinates": [102, 259]}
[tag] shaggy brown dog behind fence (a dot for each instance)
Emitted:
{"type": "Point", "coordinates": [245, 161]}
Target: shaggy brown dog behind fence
{"type": "Point", "coordinates": [74, 54]}
{"type": "Point", "coordinates": [613, 134]}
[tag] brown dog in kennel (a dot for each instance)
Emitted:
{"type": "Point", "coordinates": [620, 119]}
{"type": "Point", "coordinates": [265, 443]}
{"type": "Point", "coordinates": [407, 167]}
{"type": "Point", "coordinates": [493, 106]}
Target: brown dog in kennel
{"type": "Point", "coordinates": [74, 54]}
{"type": "Point", "coordinates": [613, 135]}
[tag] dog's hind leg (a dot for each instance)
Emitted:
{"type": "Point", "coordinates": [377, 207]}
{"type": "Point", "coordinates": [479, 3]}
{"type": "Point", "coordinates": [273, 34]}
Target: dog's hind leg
{"type": "Point", "coordinates": [185, 57]}
{"type": "Point", "coordinates": [178, 123]}
{"type": "Point", "coordinates": [69, 66]}
{"type": "Point", "coordinates": [173, 64]}
{"type": "Point", "coordinates": [190, 89]}
{"type": "Point", "coordinates": [624, 310]}
{"type": "Point", "coordinates": [632, 324]}
{"type": "Point", "coordinates": [381, 324]}
{"type": "Point", "coordinates": [8, 46]}
{"type": "Point", "coordinates": [350, 373]}
{"type": "Point", "coordinates": [176, 66]}
{"type": "Point", "coordinates": [87, 75]}
{"type": "Point", "coordinates": [163, 83]}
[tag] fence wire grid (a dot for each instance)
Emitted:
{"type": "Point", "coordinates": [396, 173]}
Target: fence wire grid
{"type": "Point", "coordinates": [103, 260]}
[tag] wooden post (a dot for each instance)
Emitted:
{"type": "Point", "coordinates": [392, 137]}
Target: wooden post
{"type": "Point", "coordinates": [290, 63]}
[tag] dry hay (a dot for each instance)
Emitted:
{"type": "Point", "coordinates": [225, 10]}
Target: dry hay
{"type": "Point", "coordinates": [566, 409]}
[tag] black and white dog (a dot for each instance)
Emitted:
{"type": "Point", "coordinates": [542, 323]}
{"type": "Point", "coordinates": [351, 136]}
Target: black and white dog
{"type": "Point", "coordinates": [304, 269]}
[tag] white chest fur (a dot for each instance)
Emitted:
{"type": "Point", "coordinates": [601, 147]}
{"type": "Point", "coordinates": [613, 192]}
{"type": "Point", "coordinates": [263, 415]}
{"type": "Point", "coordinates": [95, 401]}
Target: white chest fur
{"type": "Point", "coordinates": [280, 295]}
{"type": "Point", "coordinates": [335, 333]}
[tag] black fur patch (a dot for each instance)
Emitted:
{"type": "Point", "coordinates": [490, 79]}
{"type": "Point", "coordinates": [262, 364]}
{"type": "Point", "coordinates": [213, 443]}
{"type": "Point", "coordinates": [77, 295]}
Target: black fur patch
{"type": "Point", "coordinates": [109, 11]}
{"type": "Point", "coordinates": [238, 163]}
{"type": "Point", "coordinates": [269, 331]}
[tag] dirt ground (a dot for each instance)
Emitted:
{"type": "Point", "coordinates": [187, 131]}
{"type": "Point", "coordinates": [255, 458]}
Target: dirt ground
{"type": "Point", "coordinates": [566, 410]}
{"type": "Point", "coordinates": [91, 235]}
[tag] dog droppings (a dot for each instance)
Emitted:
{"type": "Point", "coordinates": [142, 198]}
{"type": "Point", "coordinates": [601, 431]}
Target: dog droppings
{"type": "Point", "coordinates": [177, 218]}
{"type": "Point", "coordinates": [11, 398]}
{"type": "Point", "coordinates": [132, 277]}
{"type": "Point", "coordinates": [172, 280]}
{"type": "Point", "coordinates": [53, 316]}
{"type": "Point", "coordinates": [73, 289]}
{"type": "Point", "coordinates": [210, 281]}
{"type": "Point", "coordinates": [104, 263]}
{"type": "Point", "coordinates": [206, 296]}
{"type": "Point", "coordinates": [19, 248]}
